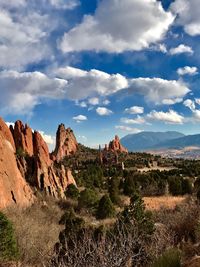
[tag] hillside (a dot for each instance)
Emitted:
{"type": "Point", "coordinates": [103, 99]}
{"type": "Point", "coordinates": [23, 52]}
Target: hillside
{"type": "Point", "coordinates": [148, 140]}
{"type": "Point", "coordinates": [185, 141]}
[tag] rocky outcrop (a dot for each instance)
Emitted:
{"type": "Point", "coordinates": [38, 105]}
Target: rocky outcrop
{"type": "Point", "coordinates": [13, 187]}
{"type": "Point", "coordinates": [115, 146]}
{"type": "Point", "coordinates": [6, 133]}
{"type": "Point", "coordinates": [66, 143]}
{"type": "Point", "coordinates": [23, 137]}
{"type": "Point", "coordinates": [25, 161]}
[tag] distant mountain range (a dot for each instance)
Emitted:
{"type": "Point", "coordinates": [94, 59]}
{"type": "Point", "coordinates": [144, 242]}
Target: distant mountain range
{"type": "Point", "coordinates": [159, 140]}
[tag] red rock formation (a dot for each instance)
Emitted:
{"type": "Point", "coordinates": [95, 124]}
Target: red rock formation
{"type": "Point", "coordinates": [13, 187]}
{"type": "Point", "coordinates": [5, 131]}
{"type": "Point", "coordinates": [23, 137]}
{"type": "Point", "coordinates": [52, 180]}
{"type": "Point", "coordinates": [115, 145]}
{"type": "Point", "coordinates": [66, 143]}
{"type": "Point", "coordinates": [37, 168]}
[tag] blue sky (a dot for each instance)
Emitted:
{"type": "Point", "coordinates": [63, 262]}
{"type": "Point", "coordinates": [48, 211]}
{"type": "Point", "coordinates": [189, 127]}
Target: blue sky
{"type": "Point", "coordinates": [101, 67]}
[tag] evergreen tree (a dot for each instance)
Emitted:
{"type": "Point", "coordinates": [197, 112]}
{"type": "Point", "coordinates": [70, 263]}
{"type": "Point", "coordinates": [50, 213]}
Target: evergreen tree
{"type": "Point", "coordinates": [105, 208]}
{"type": "Point", "coordinates": [8, 244]}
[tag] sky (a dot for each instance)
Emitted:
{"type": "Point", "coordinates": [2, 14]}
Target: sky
{"type": "Point", "coordinates": [101, 67]}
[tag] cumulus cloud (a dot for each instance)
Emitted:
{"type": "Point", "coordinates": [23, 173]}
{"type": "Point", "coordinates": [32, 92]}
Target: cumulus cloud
{"type": "Point", "coordinates": [137, 120]}
{"type": "Point", "coordinates": [27, 31]}
{"type": "Point", "coordinates": [93, 101]}
{"type": "Point", "coordinates": [159, 91]}
{"type": "Point", "coordinates": [181, 49]}
{"type": "Point", "coordinates": [83, 84]}
{"type": "Point", "coordinates": [188, 15]}
{"type": "Point", "coordinates": [187, 70]}
{"type": "Point", "coordinates": [128, 24]}
{"type": "Point", "coordinates": [127, 129]}
{"type": "Point", "coordinates": [171, 117]}
{"type": "Point", "coordinates": [10, 123]}
{"type": "Point", "coordinates": [190, 104]}
{"type": "Point", "coordinates": [62, 4]}
{"type": "Point", "coordinates": [22, 91]}
{"type": "Point", "coordinates": [49, 139]}
{"type": "Point", "coordinates": [134, 110]}
{"type": "Point", "coordinates": [80, 118]}
{"type": "Point", "coordinates": [102, 111]}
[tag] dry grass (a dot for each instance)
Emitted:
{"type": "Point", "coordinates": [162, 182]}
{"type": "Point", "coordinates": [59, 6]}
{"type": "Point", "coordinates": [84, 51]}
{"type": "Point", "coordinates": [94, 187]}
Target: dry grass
{"type": "Point", "coordinates": [166, 202]}
{"type": "Point", "coordinates": [37, 231]}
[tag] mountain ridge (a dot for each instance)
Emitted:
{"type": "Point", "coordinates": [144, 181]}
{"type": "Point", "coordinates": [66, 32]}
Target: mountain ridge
{"type": "Point", "coordinates": [148, 139]}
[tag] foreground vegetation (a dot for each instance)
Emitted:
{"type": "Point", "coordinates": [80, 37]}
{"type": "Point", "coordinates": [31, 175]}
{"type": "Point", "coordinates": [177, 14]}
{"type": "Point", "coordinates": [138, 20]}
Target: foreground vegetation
{"type": "Point", "coordinates": [104, 222]}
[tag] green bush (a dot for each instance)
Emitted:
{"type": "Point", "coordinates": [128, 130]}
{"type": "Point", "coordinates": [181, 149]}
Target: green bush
{"type": "Point", "coordinates": [8, 244]}
{"type": "Point", "coordinates": [170, 258]}
{"type": "Point", "coordinates": [105, 208]}
{"type": "Point", "coordinates": [113, 189]}
{"type": "Point", "coordinates": [175, 186]}
{"type": "Point", "coordinates": [88, 199]}
{"type": "Point", "coordinates": [72, 191]}
{"type": "Point", "coordinates": [186, 186]}
{"type": "Point", "coordinates": [129, 186]}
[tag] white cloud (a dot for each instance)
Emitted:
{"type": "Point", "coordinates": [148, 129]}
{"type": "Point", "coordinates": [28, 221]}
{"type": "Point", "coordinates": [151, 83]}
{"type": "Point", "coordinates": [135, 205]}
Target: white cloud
{"type": "Point", "coordinates": [171, 117]}
{"type": "Point", "coordinates": [63, 4]}
{"type": "Point", "coordinates": [83, 84]}
{"type": "Point", "coordinates": [10, 123]}
{"type": "Point", "coordinates": [22, 91]}
{"type": "Point", "coordinates": [49, 139]}
{"type": "Point", "coordinates": [119, 26]}
{"type": "Point", "coordinates": [190, 104]}
{"type": "Point", "coordinates": [134, 110]}
{"type": "Point", "coordinates": [80, 118]}
{"type": "Point", "coordinates": [93, 101]}
{"type": "Point", "coordinates": [102, 111]}
{"type": "Point", "coordinates": [197, 100]}
{"type": "Point", "coordinates": [106, 102]}
{"type": "Point", "coordinates": [23, 38]}
{"type": "Point", "coordinates": [188, 15]}
{"type": "Point", "coordinates": [138, 120]}
{"type": "Point", "coordinates": [157, 90]}
{"type": "Point", "coordinates": [187, 70]}
{"type": "Point", "coordinates": [127, 129]}
{"type": "Point", "coordinates": [181, 49]}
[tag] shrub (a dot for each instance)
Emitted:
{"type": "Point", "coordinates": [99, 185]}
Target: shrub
{"type": "Point", "coordinates": [105, 208]}
{"type": "Point", "coordinates": [136, 214]}
{"type": "Point", "coordinates": [88, 199]}
{"type": "Point", "coordinates": [8, 244]}
{"type": "Point", "coordinates": [186, 187]}
{"type": "Point", "coordinates": [129, 186]}
{"type": "Point", "coordinates": [170, 258]}
{"type": "Point", "coordinates": [175, 186]}
{"type": "Point", "coordinates": [114, 190]}
{"type": "Point", "coordinates": [72, 191]}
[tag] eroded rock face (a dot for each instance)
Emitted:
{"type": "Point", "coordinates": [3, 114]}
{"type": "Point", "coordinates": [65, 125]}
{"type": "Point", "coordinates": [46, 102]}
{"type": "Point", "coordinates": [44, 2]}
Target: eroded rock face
{"type": "Point", "coordinates": [66, 143]}
{"type": "Point", "coordinates": [115, 145]}
{"type": "Point", "coordinates": [13, 187]}
{"type": "Point", "coordinates": [35, 168]}
{"type": "Point", "coordinates": [53, 181]}
{"type": "Point", "coordinates": [23, 137]}
{"type": "Point", "coordinates": [6, 133]}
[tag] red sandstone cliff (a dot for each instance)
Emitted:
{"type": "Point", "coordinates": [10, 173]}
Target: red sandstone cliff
{"type": "Point", "coordinates": [66, 143]}
{"type": "Point", "coordinates": [18, 172]}
{"type": "Point", "coordinates": [13, 187]}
